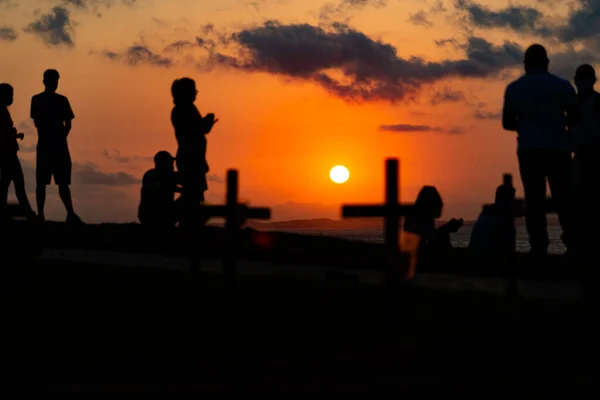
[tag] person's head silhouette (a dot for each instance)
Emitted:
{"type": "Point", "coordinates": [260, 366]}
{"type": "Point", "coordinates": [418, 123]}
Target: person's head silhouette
{"type": "Point", "coordinates": [184, 91]}
{"type": "Point", "coordinates": [429, 202]}
{"type": "Point", "coordinates": [536, 58]}
{"type": "Point", "coordinates": [51, 78]}
{"type": "Point", "coordinates": [585, 79]}
{"type": "Point", "coordinates": [6, 95]}
{"type": "Point", "coordinates": [164, 161]}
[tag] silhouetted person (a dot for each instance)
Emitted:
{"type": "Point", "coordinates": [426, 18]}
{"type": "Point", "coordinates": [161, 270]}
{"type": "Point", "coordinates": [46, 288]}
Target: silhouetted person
{"type": "Point", "coordinates": [541, 107]}
{"type": "Point", "coordinates": [190, 130]}
{"type": "Point", "coordinates": [428, 208]}
{"type": "Point", "coordinates": [158, 207]}
{"type": "Point", "coordinates": [10, 167]}
{"type": "Point", "coordinates": [495, 227]}
{"type": "Point", "coordinates": [587, 142]}
{"type": "Point", "coordinates": [587, 168]}
{"type": "Point", "coordinates": [52, 115]}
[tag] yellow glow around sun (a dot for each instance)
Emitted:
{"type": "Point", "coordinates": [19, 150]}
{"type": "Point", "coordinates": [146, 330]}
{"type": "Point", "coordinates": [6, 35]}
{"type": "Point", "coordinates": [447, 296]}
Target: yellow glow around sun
{"type": "Point", "coordinates": [339, 174]}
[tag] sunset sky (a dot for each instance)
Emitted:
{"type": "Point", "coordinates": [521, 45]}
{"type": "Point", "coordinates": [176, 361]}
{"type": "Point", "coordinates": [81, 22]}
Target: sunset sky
{"type": "Point", "coordinates": [299, 86]}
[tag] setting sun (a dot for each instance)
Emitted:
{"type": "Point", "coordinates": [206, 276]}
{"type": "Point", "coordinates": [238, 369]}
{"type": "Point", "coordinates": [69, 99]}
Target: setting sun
{"type": "Point", "coordinates": [339, 174]}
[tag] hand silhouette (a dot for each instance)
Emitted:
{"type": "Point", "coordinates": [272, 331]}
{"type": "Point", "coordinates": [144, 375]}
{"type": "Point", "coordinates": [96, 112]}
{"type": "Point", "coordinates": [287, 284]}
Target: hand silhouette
{"type": "Point", "coordinates": [455, 224]}
{"type": "Point", "coordinates": [211, 119]}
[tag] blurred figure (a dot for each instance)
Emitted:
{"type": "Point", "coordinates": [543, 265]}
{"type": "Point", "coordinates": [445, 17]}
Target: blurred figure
{"type": "Point", "coordinates": [587, 175]}
{"type": "Point", "coordinates": [541, 107]}
{"type": "Point", "coordinates": [190, 131]}
{"type": "Point", "coordinates": [10, 166]}
{"type": "Point", "coordinates": [428, 208]}
{"type": "Point", "coordinates": [495, 227]}
{"type": "Point", "coordinates": [52, 115]}
{"type": "Point", "coordinates": [158, 207]}
{"type": "Point", "coordinates": [587, 141]}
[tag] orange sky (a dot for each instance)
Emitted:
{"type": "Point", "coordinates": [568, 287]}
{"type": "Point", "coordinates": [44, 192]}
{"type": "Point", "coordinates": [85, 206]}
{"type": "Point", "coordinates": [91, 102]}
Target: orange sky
{"type": "Point", "coordinates": [282, 134]}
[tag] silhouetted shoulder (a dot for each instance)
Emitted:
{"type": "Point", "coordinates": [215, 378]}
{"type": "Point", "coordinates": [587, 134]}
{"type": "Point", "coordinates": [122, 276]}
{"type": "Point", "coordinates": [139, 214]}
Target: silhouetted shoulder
{"type": "Point", "coordinates": [149, 177]}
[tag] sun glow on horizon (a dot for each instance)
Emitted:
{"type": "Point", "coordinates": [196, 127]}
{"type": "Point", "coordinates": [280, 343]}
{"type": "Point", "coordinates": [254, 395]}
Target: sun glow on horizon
{"type": "Point", "coordinates": [339, 174]}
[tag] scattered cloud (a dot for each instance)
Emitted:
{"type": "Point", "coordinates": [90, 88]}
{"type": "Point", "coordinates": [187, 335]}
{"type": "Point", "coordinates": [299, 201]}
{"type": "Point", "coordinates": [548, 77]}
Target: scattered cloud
{"type": "Point", "coordinates": [420, 18]}
{"type": "Point", "coordinates": [115, 155]}
{"type": "Point", "coordinates": [91, 174]}
{"type": "Point", "coordinates": [8, 33]}
{"type": "Point", "coordinates": [215, 178]}
{"type": "Point", "coordinates": [343, 9]}
{"type": "Point", "coordinates": [409, 128]}
{"type": "Point", "coordinates": [54, 28]}
{"type": "Point", "coordinates": [482, 114]}
{"type": "Point", "coordinates": [447, 95]}
{"type": "Point", "coordinates": [139, 55]}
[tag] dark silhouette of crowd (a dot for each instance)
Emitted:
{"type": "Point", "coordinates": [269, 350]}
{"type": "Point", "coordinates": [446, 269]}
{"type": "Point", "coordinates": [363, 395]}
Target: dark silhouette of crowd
{"type": "Point", "coordinates": [552, 121]}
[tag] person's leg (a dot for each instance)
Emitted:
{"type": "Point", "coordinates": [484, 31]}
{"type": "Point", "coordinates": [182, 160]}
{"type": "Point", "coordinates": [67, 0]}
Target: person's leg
{"type": "Point", "coordinates": [5, 179]}
{"type": "Point", "coordinates": [65, 195]}
{"type": "Point", "coordinates": [62, 177]}
{"type": "Point", "coordinates": [43, 175]}
{"type": "Point", "coordinates": [534, 186]}
{"type": "Point", "coordinates": [19, 182]}
{"type": "Point", "coordinates": [561, 181]}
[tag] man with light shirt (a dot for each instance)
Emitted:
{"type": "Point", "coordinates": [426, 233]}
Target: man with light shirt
{"type": "Point", "coordinates": [541, 107]}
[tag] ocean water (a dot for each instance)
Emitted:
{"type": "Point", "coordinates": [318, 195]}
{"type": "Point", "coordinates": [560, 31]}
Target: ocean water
{"type": "Point", "coordinates": [459, 239]}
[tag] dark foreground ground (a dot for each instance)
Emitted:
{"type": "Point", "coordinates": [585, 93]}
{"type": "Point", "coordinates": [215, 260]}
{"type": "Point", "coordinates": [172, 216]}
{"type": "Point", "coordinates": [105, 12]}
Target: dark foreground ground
{"type": "Point", "coordinates": [82, 329]}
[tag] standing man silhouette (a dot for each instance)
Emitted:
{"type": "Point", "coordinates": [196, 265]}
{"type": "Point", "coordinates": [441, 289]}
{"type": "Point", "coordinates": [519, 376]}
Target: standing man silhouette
{"type": "Point", "coordinates": [541, 107]}
{"type": "Point", "coordinates": [52, 115]}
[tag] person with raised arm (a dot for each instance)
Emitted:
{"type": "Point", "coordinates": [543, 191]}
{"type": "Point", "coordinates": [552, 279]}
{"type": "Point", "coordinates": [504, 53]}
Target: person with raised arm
{"type": "Point", "coordinates": [191, 129]}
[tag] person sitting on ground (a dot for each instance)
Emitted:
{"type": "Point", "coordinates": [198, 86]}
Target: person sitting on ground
{"type": "Point", "coordinates": [428, 208]}
{"type": "Point", "coordinates": [10, 166]}
{"type": "Point", "coordinates": [158, 207]}
{"type": "Point", "coordinates": [495, 226]}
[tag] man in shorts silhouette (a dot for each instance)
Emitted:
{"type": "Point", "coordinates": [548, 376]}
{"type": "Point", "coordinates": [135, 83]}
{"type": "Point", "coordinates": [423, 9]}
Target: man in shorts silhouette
{"type": "Point", "coordinates": [52, 115]}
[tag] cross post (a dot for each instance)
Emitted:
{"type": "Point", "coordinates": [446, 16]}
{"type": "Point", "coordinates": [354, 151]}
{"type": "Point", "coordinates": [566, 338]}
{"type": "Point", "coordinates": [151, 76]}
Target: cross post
{"type": "Point", "coordinates": [391, 211]}
{"type": "Point", "coordinates": [235, 215]}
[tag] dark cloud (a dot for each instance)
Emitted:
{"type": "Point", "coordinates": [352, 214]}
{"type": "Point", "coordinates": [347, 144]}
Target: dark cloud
{"type": "Point", "coordinates": [91, 174]}
{"type": "Point", "coordinates": [582, 23]}
{"type": "Point", "coordinates": [517, 18]}
{"type": "Point", "coordinates": [365, 69]}
{"type": "Point", "coordinates": [139, 55]}
{"type": "Point", "coordinates": [8, 33]}
{"type": "Point", "coordinates": [54, 28]}
{"type": "Point", "coordinates": [408, 128]}
{"type": "Point", "coordinates": [482, 114]}
{"type": "Point", "coordinates": [115, 155]}
{"type": "Point", "coordinates": [447, 95]}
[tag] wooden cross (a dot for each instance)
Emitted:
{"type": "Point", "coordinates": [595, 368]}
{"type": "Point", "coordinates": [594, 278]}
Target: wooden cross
{"type": "Point", "coordinates": [235, 215]}
{"type": "Point", "coordinates": [391, 211]}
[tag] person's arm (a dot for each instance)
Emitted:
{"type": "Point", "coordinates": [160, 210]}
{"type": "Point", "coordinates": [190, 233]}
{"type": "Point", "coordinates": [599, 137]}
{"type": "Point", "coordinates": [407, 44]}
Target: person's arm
{"type": "Point", "coordinates": [509, 112]}
{"type": "Point", "coordinates": [68, 117]}
{"type": "Point", "coordinates": [571, 106]}
{"type": "Point", "coordinates": [33, 112]}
